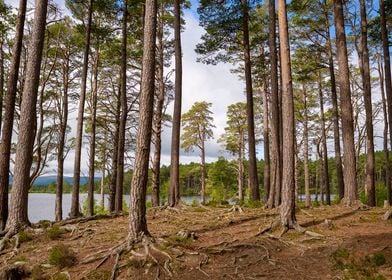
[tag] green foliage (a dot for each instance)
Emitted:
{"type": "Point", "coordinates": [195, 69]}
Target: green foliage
{"type": "Point", "coordinates": [62, 256]}
{"type": "Point", "coordinates": [54, 232]}
{"type": "Point", "coordinates": [24, 236]}
{"type": "Point", "coordinates": [221, 184]}
{"type": "Point", "coordinates": [98, 208]}
{"type": "Point", "coordinates": [381, 194]}
{"type": "Point", "coordinates": [197, 126]}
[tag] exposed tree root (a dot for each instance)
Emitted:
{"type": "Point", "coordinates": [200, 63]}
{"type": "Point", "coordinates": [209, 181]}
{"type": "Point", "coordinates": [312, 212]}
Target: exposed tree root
{"type": "Point", "coordinates": [235, 208]}
{"type": "Point", "coordinates": [387, 215]}
{"type": "Point", "coordinates": [276, 224]}
{"type": "Point", "coordinates": [133, 248]}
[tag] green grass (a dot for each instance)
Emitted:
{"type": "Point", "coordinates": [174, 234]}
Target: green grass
{"type": "Point", "coordinates": [61, 256]}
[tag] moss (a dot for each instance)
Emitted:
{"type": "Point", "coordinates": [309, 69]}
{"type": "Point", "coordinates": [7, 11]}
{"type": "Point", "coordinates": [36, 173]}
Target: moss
{"type": "Point", "coordinates": [61, 256]}
{"type": "Point", "coordinates": [24, 236]}
{"type": "Point", "coordinates": [54, 232]}
{"type": "Point", "coordinates": [378, 259]}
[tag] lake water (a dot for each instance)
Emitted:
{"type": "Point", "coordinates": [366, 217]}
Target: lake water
{"type": "Point", "coordinates": [41, 205]}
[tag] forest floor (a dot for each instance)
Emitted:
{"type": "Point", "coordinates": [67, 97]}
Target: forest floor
{"type": "Point", "coordinates": [215, 243]}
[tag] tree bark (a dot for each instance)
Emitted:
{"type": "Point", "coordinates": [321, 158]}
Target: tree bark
{"type": "Point", "coordinates": [61, 143]}
{"type": "Point", "coordinates": [240, 176]}
{"type": "Point", "coordinates": [9, 109]}
{"type": "Point", "coordinates": [91, 167]}
{"type": "Point", "coordinates": [124, 113]}
{"type": "Point", "coordinates": [306, 150]}
{"type": "Point", "coordinates": [287, 208]}
{"type": "Point", "coordinates": [24, 151]}
{"type": "Point", "coordinates": [267, 164]}
{"type": "Point", "coordinates": [387, 71]}
{"type": "Point", "coordinates": [137, 209]}
{"type": "Point", "coordinates": [113, 176]}
{"type": "Point", "coordinates": [1, 80]}
{"type": "Point", "coordinates": [156, 168]}
{"type": "Point", "coordinates": [203, 173]}
{"type": "Point", "coordinates": [75, 209]}
{"type": "Point", "coordinates": [253, 180]}
{"type": "Point", "coordinates": [387, 166]}
{"type": "Point", "coordinates": [174, 192]}
{"type": "Point", "coordinates": [275, 133]}
{"type": "Point", "coordinates": [365, 73]}
{"type": "Point", "coordinates": [326, 186]}
{"type": "Point", "coordinates": [349, 171]}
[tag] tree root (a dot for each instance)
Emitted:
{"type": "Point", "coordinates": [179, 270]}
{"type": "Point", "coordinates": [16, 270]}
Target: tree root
{"type": "Point", "coordinates": [276, 224]}
{"type": "Point", "coordinates": [387, 215]}
{"type": "Point", "coordinates": [133, 248]}
{"type": "Point", "coordinates": [235, 208]}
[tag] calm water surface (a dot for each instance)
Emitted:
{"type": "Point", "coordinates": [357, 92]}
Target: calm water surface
{"type": "Point", "coordinates": [41, 205]}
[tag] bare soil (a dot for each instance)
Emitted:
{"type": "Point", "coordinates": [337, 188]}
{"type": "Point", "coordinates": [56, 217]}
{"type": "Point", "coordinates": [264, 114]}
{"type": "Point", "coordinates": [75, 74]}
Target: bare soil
{"type": "Point", "coordinates": [214, 243]}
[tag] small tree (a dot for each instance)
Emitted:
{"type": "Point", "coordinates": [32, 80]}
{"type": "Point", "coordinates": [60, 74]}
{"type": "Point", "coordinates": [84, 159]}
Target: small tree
{"type": "Point", "coordinates": [234, 139]}
{"type": "Point", "coordinates": [197, 126]}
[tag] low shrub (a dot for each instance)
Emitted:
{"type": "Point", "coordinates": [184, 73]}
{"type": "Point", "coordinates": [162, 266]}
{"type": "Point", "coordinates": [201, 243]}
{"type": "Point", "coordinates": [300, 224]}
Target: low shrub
{"type": "Point", "coordinates": [61, 256]}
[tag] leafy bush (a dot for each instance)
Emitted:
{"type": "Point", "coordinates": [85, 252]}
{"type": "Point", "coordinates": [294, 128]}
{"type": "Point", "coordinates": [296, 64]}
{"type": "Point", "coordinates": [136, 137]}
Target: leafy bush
{"type": "Point", "coordinates": [61, 256]}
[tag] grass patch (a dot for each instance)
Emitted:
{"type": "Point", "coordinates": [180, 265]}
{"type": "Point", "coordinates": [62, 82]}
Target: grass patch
{"type": "Point", "coordinates": [61, 256]}
{"type": "Point", "coordinates": [60, 276]}
{"type": "Point", "coordinates": [24, 236]}
{"type": "Point", "coordinates": [54, 232]}
{"type": "Point", "coordinates": [355, 267]}
{"type": "Point", "coordinates": [19, 258]}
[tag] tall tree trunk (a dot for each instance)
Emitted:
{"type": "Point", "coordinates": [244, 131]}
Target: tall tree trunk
{"type": "Point", "coordinates": [287, 210]}
{"type": "Point", "coordinates": [137, 209]}
{"type": "Point", "coordinates": [275, 132]}
{"type": "Point", "coordinates": [306, 150]}
{"type": "Point", "coordinates": [370, 158]}
{"type": "Point", "coordinates": [174, 192]}
{"type": "Point", "coordinates": [124, 113]}
{"type": "Point", "coordinates": [267, 164]}
{"type": "Point", "coordinates": [9, 109]}
{"type": "Point", "coordinates": [240, 176]}
{"type": "Point", "coordinates": [102, 203]}
{"type": "Point", "coordinates": [253, 180]}
{"type": "Point", "coordinates": [75, 211]}
{"type": "Point", "coordinates": [387, 166]}
{"type": "Point", "coordinates": [335, 112]}
{"type": "Point", "coordinates": [203, 174]}
{"type": "Point", "coordinates": [91, 167]}
{"type": "Point", "coordinates": [156, 168]}
{"type": "Point", "coordinates": [24, 150]}
{"type": "Point", "coordinates": [113, 177]}
{"type": "Point", "coordinates": [61, 144]}
{"type": "Point", "coordinates": [327, 186]}
{"type": "Point", "coordinates": [349, 171]}
{"type": "Point", "coordinates": [387, 66]}
{"type": "Point", "coordinates": [1, 79]}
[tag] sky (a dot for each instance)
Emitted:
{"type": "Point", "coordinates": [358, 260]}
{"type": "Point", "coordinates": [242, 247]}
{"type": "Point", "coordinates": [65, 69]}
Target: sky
{"type": "Point", "coordinates": [214, 84]}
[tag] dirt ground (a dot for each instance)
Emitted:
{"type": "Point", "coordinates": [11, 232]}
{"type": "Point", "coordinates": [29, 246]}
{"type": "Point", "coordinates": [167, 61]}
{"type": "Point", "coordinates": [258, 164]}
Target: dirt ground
{"type": "Point", "coordinates": [215, 243]}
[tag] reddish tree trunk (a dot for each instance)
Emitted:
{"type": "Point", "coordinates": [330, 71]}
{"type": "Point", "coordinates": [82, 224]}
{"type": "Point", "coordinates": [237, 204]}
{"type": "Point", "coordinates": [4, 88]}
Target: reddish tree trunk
{"type": "Point", "coordinates": [9, 109]}
{"type": "Point", "coordinates": [174, 194]}
{"type": "Point", "coordinates": [24, 151]}
{"type": "Point", "coordinates": [137, 209]}
{"type": "Point", "coordinates": [349, 171]}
